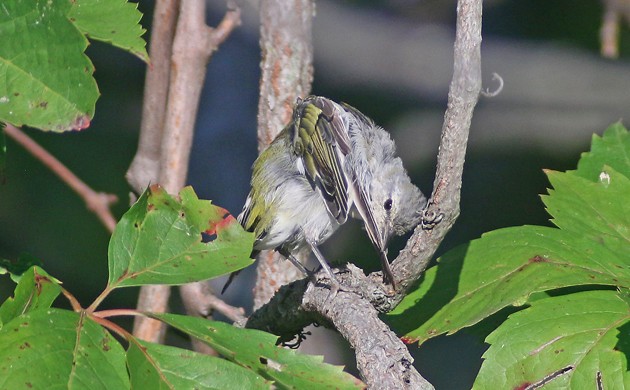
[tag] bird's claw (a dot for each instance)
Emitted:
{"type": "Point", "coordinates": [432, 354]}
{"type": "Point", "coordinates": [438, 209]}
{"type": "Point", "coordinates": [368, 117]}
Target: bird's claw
{"type": "Point", "coordinates": [430, 219]}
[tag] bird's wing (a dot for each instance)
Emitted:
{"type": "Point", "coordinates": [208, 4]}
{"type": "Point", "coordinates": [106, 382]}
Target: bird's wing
{"type": "Point", "coordinates": [321, 142]}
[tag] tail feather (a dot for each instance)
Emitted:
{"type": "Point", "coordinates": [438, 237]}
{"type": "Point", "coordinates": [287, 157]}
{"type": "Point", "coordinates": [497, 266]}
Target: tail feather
{"type": "Point", "coordinates": [229, 281]}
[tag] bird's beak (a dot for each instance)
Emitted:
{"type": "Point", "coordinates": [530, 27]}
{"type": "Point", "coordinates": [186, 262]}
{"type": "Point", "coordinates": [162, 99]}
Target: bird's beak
{"type": "Point", "coordinates": [380, 239]}
{"type": "Point", "coordinates": [388, 276]}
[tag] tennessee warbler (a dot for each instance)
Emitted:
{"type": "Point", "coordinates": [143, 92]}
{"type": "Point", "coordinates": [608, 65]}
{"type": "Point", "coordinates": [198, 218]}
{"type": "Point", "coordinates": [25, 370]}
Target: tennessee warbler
{"type": "Point", "coordinates": [328, 163]}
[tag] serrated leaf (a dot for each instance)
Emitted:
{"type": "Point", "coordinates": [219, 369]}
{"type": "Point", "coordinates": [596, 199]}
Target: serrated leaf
{"type": "Point", "coordinates": [45, 79]}
{"type": "Point", "coordinates": [598, 210]}
{"type": "Point", "coordinates": [159, 241]}
{"type": "Point", "coordinates": [55, 348]}
{"type": "Point", "coordinates": [112, 21]}
{"type": "Point", "coordinates": [564, 342]}
{"type": "Point", "coordinates": [501, 269]}
{"type": "Point", "coordinates": [257, 351]}
{"type": "Point", "coordinates": [612, 149]}
{"type": "Point", "coordinates": [156, 366]}
{"type": "Point", "coordinates": [506, 266]}
{"type": "Point", "coordinates": [35, 290]}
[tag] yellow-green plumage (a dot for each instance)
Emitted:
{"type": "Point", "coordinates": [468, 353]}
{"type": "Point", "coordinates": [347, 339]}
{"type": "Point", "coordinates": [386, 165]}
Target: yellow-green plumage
{"type": "Point", "coordinates": [331, 161]}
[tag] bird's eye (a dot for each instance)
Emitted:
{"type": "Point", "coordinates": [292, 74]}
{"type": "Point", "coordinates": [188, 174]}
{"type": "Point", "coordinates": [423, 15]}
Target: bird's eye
{"type": "Point", "coordinates": [388, 204]}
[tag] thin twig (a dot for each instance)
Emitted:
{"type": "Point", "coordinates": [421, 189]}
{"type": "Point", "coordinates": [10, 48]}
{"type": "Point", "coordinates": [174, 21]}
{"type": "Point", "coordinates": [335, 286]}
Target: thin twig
{"type": "Point", "coordinates": [200, 300]}
{"type": "Point", "coordinates": [236, 314]}
{"type": "Point", "coordinates": [231, 20]}
{"type": "Point", "coordinates": [614, 10]}
{"type": "Point", "coordinates": [153, 299]}
{"type": "Point", "coordinates": [76, 306]}
{"type": "Point", "coordinates": [97, 202]}
{"type": "Point", "coordinates": [462, 97]}
{"type": "Point", "coordinates": [117, 312]}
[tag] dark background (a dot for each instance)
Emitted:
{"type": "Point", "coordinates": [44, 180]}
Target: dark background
{"type": "Point", "coordinates": [557, 93]}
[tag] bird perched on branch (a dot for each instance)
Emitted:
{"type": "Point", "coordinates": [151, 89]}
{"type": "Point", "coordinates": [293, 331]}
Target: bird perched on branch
{"type": "Point", "coordinates": [328, 163]}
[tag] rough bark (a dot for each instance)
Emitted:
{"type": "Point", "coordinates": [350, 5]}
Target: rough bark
{"type": "Point", "coordinates": [286, 74]}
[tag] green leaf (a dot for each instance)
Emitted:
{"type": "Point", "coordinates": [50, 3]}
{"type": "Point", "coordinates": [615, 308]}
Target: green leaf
{"type": "Point", "coordinates": [564, 342]}
{"type": "Point", "coordinates": [54, 349]}
{"type": "Point", "coordinates": [35, 290]}
{"type": "Point", "coordinates": [598, 210]}
{"type": "Point", "coordinates": [112, 21]}
{"type": "Point", "coordinates": [257, 351]}
{"type": "Point", "coordinates": [156, 366]}
{"type": "Point", "coordinates": [613, 149]}
{"type": "Point", "coordinates": [3, 154]}
{"type": "Point", "coordinates": [502, 269]}
{"type": "Point", "coordinates": [45, 79]}
{"type": "Point", "coordinates": [159, 241]}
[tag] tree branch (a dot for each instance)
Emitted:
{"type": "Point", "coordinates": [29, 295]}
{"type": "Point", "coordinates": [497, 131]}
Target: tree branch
{"type": "Point", "coordinates": [145, 167]}
{"type": "Point", "coordinates": [204, 302]}
{"type": "Point", "coordinates": [193, 43]}
{"type": "Point", "coordinates": [462, 98]}
{"type": "Point", "coordinates": [614, 10]}
{"type": "Point", "coordinates": [301, 303]}
{"type": "Point", "coordinates": [97, 202]}
{"type": "Point", "coordinates": [286, 74]}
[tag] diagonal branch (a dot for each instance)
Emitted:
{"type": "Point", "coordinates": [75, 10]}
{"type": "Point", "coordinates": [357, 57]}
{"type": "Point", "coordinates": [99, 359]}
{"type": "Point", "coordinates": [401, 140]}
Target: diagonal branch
{"type": "Point", "coordinates": [462, 97]}
{"type": "Point", "coordinates": [301, 303]}
{"type": "Point", "coordinates": [98, 202]}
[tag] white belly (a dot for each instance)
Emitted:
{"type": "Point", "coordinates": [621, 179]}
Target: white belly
{"type": "Point", "coordinates": [301, 215]}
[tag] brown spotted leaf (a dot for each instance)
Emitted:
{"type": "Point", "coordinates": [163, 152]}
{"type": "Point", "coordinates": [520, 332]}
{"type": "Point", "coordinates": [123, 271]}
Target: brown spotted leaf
{"type": "Point", "coordinates": [60, 349]}
{"type": "Point", "coordinates": [35, 290]}
{"type": "Point", "coordinates": [45, 77]}
{"type": "Point", "coordinates": [562, 342]}
{"type": "Point", "coordinates": [159, 241]}
{"type": "Point", "coordinates": [257, 351]}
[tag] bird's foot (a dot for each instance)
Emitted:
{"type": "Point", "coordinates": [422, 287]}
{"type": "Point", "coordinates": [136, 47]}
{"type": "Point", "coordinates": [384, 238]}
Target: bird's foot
{"type": "Point", "coordinates": [431, 219]}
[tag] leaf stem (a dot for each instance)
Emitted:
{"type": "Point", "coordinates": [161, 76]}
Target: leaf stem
{"type": "Point", "coordinates": [117, 312]}
{"type": "Point", "coordinates": [76, 306]}
{"type": "Point", "coordinates": [112, 326]}
{"type": "Point", "coordinates": [100, 298]}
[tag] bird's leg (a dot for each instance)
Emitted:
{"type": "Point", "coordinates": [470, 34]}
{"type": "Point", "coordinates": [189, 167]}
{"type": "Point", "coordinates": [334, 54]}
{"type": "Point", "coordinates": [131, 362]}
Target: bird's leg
{"type": "Point", "coordinates": [296, 263]}
{"type": "Point", "coordinates": [334, 284]}
{"type": "Point", "coordinates": [321, 260]}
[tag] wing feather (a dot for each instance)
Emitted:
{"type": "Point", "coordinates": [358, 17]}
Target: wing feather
{"type": "Point", "coordinates": [321, 141]}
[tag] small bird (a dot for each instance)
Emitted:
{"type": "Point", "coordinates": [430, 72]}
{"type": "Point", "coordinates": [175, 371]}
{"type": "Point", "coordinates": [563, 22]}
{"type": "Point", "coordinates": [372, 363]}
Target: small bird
{"type": "Point", "coordinates": [328, 163]}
